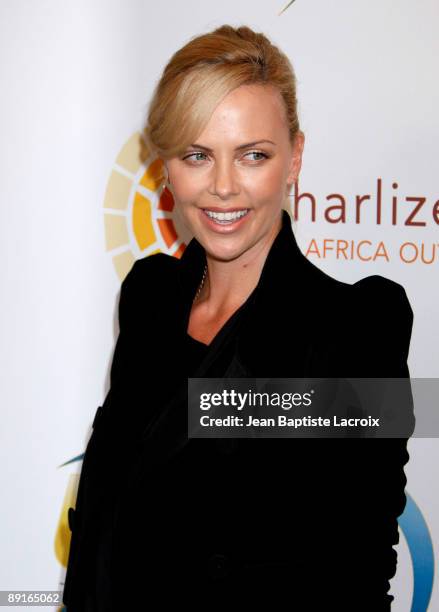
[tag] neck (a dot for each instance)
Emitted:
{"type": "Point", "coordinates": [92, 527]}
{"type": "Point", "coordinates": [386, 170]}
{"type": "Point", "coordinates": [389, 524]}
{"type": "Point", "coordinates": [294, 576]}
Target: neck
{"type": "Point", "coordinates": [229, 283]}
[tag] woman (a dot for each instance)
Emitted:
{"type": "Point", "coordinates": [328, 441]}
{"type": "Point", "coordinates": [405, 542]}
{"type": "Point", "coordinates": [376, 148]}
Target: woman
{"type": "Point", "coordinates": [163, 520]}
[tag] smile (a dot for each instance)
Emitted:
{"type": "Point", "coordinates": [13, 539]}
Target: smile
{"type": "Point", "coordinates": [225, 218]}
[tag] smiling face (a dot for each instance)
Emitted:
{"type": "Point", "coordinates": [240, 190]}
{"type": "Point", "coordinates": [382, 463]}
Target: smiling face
{"type": "Point", "coordinates": [242, 161]}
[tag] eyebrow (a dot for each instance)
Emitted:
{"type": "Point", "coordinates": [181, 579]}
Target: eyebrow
{"type": "Point", "coordinates": [243, 146]}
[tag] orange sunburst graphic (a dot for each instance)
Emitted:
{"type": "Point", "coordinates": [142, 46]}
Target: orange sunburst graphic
{"type": "Point", "coordinates": [138, 213]}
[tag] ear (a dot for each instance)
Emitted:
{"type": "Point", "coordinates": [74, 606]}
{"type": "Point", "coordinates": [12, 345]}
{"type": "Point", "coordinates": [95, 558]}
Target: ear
{"type": "Point", "coordinates": [296, 158]}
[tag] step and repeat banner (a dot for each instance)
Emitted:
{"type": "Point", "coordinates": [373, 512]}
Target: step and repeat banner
{"type": "Point", "coordinates": [78, 208]}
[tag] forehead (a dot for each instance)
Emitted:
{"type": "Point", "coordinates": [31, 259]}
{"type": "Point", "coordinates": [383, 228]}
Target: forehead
{"type": "Point", "coordinates": [248, 112]}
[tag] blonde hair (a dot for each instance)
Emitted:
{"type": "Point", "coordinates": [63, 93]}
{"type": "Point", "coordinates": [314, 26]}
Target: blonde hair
{"type": "Point", "coordinates": [200, 74]}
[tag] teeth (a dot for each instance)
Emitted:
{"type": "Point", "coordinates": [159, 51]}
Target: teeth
{"type": "Point", "coordinates": [230, 216]}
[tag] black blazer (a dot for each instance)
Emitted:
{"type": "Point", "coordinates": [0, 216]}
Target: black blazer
{"type": "Point", "coordinates": [306, 521]}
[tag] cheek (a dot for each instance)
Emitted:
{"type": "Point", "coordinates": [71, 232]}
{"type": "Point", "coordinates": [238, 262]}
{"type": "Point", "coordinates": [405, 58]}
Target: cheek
{"type": "Point", "coordinates": [267, 184]}
{"type": "Point", "coordinates": [186, 189]}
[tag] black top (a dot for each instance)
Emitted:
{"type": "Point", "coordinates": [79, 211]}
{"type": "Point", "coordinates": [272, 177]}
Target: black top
{"type": "Point", "coordinates": [195, 351]}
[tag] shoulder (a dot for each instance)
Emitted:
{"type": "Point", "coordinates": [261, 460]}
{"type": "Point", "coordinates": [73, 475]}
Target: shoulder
{"type": "Point", "coordinates": [150, 268]}
{"type": "Point", "coordinates": [150, 281]}
{"type": "Point", "coordinates": [151, 276]}
{"type": "Point", "coordinates": [375, 295]}
{"type": "Point", "coordinates": [377, 291]}
{"type": "Point", "coordinates": [367, 324]}
{"type": "Point", "coordinates": [384, 316]}
{"type": "Point", "coordinates": [377, 283]}
{"type": "Point", "coordinates": [385, 296]}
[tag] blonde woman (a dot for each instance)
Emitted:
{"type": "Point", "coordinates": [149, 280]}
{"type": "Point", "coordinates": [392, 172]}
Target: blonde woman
{"type": "Point", "coordinates": [163, 520]}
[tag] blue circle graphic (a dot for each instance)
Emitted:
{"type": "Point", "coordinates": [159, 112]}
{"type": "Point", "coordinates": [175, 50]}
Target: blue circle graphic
{"type": "Point", "coordinates": [418, 537]}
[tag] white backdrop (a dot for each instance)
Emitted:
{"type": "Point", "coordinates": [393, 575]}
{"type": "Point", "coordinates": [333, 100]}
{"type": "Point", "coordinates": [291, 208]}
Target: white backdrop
{"type": "Point", "coordinates": [76, 210]}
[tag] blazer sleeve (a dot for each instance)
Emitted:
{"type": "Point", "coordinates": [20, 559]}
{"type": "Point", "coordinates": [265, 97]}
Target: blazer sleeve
{"type": "Point", "coordinates": [382, 333]}
{"type": "Point", "coordinates": [384, 319]}
{"type": "Point", "coordinates": [88, 519]}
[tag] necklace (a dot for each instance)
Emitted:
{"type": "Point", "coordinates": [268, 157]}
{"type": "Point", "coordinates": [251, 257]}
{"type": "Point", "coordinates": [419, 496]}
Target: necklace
{"type": "Point", "coordinates": [201, 284]}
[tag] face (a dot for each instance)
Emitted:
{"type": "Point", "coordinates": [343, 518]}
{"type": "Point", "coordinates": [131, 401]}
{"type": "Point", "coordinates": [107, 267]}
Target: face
{"type": "Point", "coordinates": [244, 162]}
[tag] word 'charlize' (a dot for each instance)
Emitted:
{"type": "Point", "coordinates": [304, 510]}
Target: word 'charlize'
{"type": "Point", "coordinates": [412, 211]}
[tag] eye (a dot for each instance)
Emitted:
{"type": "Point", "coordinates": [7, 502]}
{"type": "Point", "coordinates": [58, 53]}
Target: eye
{"type": "Point", "coordinates": [264, 156]}
{"type": "Point", "coordinates": [192, 154]}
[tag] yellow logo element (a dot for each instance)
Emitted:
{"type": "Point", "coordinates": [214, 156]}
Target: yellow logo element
{"type": "Point", "coordinates": [63, 533]}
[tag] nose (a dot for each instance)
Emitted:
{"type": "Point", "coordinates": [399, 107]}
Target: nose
{"type": "Point", "coordinates": [224, 181]}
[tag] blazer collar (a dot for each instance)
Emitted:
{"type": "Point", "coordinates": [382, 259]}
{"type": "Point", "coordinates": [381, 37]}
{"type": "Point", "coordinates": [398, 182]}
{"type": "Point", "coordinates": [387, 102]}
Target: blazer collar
{"type": "Point", "coordinates": [284, 256]}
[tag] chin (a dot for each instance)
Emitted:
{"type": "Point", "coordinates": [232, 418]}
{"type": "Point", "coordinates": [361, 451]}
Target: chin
{"type": "Point", "coordinates": [222, 254]}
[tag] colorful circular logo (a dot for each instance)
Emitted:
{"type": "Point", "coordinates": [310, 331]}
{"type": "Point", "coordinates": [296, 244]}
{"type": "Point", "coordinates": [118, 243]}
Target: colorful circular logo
{"type": "Point", "coordinates": [138, 213]}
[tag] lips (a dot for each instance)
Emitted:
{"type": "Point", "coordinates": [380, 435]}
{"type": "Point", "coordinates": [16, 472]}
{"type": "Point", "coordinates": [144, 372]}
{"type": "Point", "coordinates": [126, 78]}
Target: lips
{"type": "Point", "coordinates": [224, 210]}
{"type": "Point", "coordinates": [226, 217]}
{"type": "Point", "coordinates": [224, 225]}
